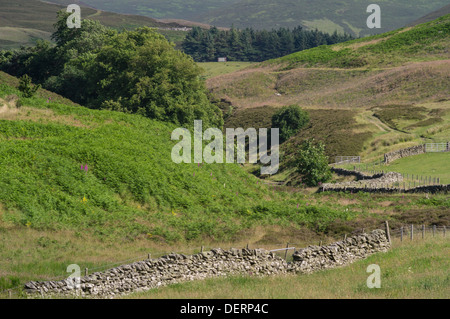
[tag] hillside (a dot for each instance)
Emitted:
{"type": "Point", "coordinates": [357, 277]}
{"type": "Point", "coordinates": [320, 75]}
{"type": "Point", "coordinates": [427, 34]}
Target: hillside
{"type": "Point", "coordinates": [97, 188]}
{"type": "Point", "coordinates": [328, 16]}
{"type": "Point", "coordinates": [110, 175]}
{"type": "Point", "coordinates": [22, 22]}
{"type": "Point", "coordinates": [431, 16]}
{"type": "Point", "coordinates": [365, 97]}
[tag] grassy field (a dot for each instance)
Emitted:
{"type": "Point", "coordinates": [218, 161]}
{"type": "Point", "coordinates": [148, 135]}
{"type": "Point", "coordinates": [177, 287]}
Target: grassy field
{"type": "Point", "coordinates": [434, 165]}
{"type": "Point", "coordinates": [430, 164]}
{"type": "Point", "coordinates": [409, 270]}
{"type": "Point", "coordinates": [213, 69]}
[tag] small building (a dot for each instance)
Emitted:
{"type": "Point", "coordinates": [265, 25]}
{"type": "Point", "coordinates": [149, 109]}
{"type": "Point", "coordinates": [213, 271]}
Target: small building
{"type": "Point", "coordinates": [222, 59]}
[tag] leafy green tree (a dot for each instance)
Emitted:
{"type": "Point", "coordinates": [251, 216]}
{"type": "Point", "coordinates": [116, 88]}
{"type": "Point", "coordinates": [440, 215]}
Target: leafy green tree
{"type": "Point", "coordinates": [312, 163]}
{"type": "Point", "coordinates": [289, 119]}
{"type": "Point", "coordinates": [141, 72]}
{"type": "Point", "coordinates": [26, 87]}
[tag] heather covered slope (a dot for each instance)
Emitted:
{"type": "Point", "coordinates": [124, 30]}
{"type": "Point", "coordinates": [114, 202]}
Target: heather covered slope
{"type": "Point", "coordinates": [348, 87]}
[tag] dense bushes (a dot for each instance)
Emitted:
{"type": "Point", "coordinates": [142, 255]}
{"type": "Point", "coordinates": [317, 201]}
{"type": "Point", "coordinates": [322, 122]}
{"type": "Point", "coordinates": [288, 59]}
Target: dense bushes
{"type": "Point", "coordinates": [289, 119]}
{"type": "Point", "coordinates": [133, 71]}
{"type": "Point", "coordinates": [312, 163]}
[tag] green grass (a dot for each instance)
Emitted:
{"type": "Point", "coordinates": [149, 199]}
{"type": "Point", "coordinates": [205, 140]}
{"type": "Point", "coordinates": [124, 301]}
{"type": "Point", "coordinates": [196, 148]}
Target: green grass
{"type": "Point", "coordinates": [430, 164]}
{"type": "Point", "coordinates": [387, 49]}
{"type": "Point", "coordinates": [409, 270]}
{"type": "Point", "coordinates": [132, 188]}
{"type": "Point", "coordinates": [213, 69]}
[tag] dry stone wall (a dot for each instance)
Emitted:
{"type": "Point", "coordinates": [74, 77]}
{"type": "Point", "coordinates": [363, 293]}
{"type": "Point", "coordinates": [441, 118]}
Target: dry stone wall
{"type": "Point", "coordinates": [358, 175]}
{"type": "Point", "coordinates": [410, 151]}
{"type": "Point", "coordinates": [176, 268]}
{"type": "Point", "coordinates": [378, 183]}
{"type": "Point", "coordinates": [341, 253]}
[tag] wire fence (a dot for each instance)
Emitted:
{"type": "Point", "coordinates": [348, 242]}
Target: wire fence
{"type": "Point", "coordinates": [405, 233]}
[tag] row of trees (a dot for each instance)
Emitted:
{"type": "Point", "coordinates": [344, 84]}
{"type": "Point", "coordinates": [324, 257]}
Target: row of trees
{"type": "Point", "coordinates": [253, 45]}
{"type": "Point", "coordinates": [131, 71]}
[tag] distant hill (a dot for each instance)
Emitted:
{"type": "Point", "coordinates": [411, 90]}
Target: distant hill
{"type": "Point", "coordinates": [365, 97]}
{"type": "Point", "coordinates": [327, 15]}
{"type": "Point", "coordinates": [431, 16]}
{"type": "Point", "coordinates": [22, 22]}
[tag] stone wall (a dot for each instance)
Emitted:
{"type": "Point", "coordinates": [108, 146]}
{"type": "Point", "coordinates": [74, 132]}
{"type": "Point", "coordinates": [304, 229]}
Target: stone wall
{"type": "Point", "coordinates": [358, 175]}
{"type": "Point", "coordinates": [341, 253]}
{"type": "Point", "coordinates": [377, 181]}
{"type": "Point", "coordinates": [410, 151]}
{"type": "Point", "coordinates": [432, 189]}
{"type": "Point", "coordinates": [175, 268]}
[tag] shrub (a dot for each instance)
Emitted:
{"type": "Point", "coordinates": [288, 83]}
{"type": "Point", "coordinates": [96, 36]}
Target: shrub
{"type": "Point", "coordinates": [26, 87]}
{"type": "Point", "coordinates": [312, 163]}
{"type": "Point", "coordinates": [289, 119]}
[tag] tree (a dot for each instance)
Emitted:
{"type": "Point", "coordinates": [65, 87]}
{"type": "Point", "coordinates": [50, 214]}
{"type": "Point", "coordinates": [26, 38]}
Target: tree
{"type": "Point", "coordinates": [312, 163]}
{"type": "Point", "coordinates": [289, 119]}
{"type": "Point", "coordinates": [26, 87]}
{"type": "Point", "coordinates": [140, 71]}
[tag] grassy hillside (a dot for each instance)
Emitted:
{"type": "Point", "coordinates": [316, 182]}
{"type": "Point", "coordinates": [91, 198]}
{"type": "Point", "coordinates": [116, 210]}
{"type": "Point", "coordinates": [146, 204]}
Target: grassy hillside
{"type": "Point", "coordinates": [431, 16]}
{"type": "Point", "coordinates": [22, 22]}
{"type": "Point", "coordinates": [212, 69]}
{"type": "Point", "coordinates": [365, 97]}
{"type": "Point", "coordinates": [424, 42]}
{"type": "Point", "coordinates": [344, 16]}
{"type": "Point", "coordinates": [130, 187]}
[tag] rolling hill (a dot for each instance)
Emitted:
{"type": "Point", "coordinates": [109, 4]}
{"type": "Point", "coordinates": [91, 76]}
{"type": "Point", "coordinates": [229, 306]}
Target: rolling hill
{"type": "Point", "coordinates": [22, 22]}
{"type": "Point", "coordinates": [431, 16]}
{"type": "Point", "coordinates": [346, 86]}
{"type": "Point", "coordinates": [344, 16]}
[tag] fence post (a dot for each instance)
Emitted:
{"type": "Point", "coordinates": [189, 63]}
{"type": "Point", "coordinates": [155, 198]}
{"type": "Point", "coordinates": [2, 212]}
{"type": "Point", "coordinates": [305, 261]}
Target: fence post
{"type": "Point", "coordinates": [412, 231]}
{"type": "Point", "coordinates": [444, 231]}
{"type": "Point", "coordinates": [285, 253]}
{"type": "Point", "coordinates": [401, 233]}
{"type": "Point", "coordinates": [149, 256]}
{"type": "Point", "coordinates": [86, 271]}
{"type": "Point", "coordinates": [201, 249]}
{"type": "Point", "coordinates": [388, 235]}
{"type": "Point", "coordinates": [423, 231]}
{"type": "Point", "coordinates": [434, 229]}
